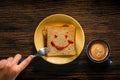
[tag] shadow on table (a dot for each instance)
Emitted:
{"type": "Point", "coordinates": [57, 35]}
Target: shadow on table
{"type": "Point", "coordinates": [98, 67]}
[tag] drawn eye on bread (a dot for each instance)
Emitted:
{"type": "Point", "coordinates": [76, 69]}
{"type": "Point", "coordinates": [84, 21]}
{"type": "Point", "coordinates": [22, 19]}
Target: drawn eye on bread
{"type": "Point", "coordinates": [66, 35]}
{"type": "Point", "coordinates": [60, 40]}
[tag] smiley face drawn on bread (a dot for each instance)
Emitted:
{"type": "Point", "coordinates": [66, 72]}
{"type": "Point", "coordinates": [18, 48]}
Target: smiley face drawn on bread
{"type": "Point", "coordinates": [61, 40]}
{"type": "Point", "coordinates": [61, 47]}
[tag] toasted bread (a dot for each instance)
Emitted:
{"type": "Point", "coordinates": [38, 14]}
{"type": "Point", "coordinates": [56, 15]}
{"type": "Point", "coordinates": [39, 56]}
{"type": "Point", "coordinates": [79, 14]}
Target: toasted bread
{"type": "Point", "coordinates": [61, 40]}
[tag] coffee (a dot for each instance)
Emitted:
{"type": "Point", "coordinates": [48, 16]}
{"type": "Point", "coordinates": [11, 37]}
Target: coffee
{"type": "Point", "coordinates": [98, 50]}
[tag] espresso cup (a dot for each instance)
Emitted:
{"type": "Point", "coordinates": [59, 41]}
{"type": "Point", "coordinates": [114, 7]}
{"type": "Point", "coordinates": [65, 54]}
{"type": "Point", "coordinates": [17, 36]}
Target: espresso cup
{"type": "Point", "coordinates": [98, 50]}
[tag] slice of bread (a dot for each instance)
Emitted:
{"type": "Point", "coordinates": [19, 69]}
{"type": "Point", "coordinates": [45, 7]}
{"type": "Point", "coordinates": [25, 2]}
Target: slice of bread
{"type": "Point", "coordinates": [61, 40]}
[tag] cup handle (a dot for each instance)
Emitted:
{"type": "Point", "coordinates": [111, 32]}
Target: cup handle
{"type": "Point", "coordinates": [110, 61]}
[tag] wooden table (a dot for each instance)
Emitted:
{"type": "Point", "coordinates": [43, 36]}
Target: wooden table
{"type": "Point", "coordinates": [99, 19]}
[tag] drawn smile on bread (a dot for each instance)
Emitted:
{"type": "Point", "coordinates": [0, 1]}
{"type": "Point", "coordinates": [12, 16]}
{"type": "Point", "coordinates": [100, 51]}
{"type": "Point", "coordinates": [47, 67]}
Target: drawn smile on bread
{"type": "Point", "coordinates": [61, 47]}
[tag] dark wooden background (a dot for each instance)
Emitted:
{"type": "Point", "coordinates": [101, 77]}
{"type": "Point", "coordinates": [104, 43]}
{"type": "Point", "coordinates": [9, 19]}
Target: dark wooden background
{"type": "Point", "coordinates": [99, 19]}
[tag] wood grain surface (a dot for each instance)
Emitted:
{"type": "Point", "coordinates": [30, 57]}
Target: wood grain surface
{"type": "Point", "coordinates": [99, 19]}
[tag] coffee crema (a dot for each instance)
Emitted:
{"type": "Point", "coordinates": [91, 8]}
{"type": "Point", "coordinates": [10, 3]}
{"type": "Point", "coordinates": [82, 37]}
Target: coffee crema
{"type": "Point", "coordinates": [98, 50]}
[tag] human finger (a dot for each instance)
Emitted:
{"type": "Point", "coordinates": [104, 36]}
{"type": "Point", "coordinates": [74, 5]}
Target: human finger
{"type": "Point", "coordinates": [10, 59]}
{"type": "Point", "coordinates": [25, 63]}
{"type": "Point", "coordinates": [3, 63]}
{"type": "Point", "coordinates": [17, 58]}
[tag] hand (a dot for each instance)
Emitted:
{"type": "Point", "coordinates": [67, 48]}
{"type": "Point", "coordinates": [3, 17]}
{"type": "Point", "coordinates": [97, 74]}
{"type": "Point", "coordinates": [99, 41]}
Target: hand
{"type": "Point", "coordinates": [10, 69]}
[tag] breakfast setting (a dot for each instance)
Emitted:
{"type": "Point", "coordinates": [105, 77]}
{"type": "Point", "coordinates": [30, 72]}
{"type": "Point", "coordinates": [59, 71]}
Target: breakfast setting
{"type": "Point", "coordinates": [59, 40]}
{"type": "Point", "coordinates": [65, 38]}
